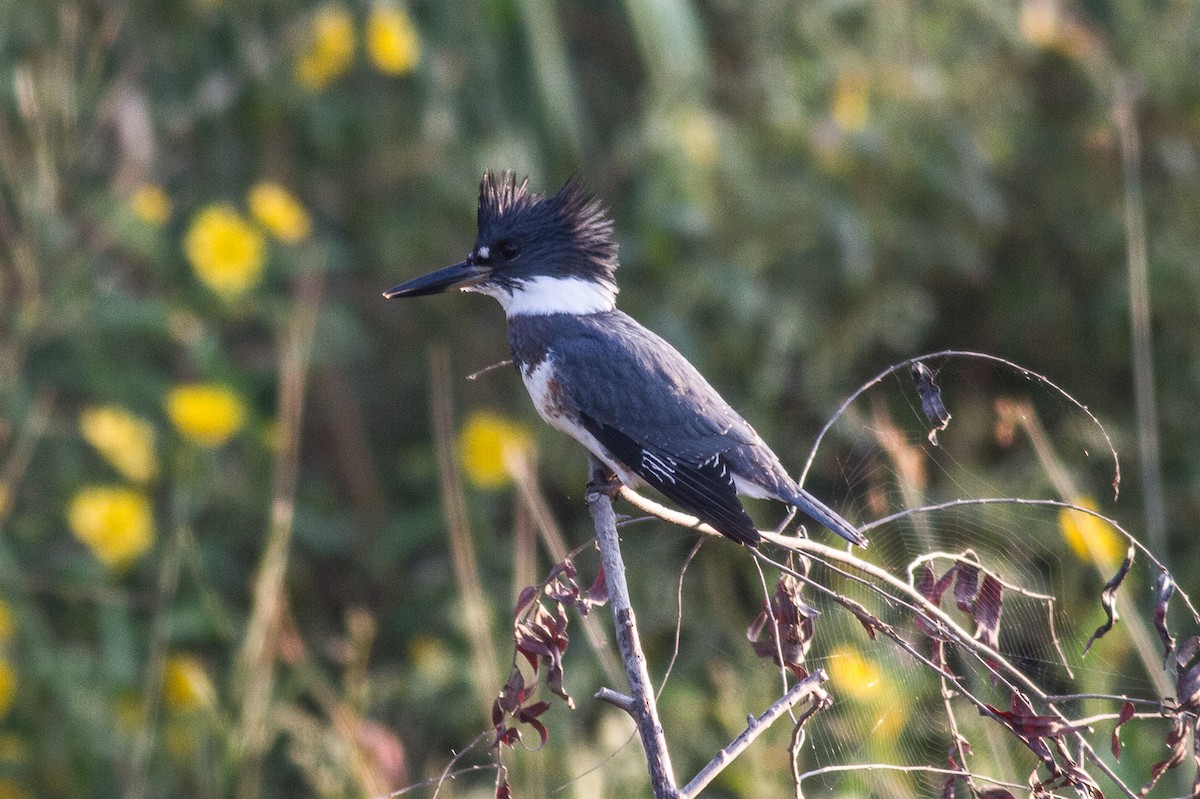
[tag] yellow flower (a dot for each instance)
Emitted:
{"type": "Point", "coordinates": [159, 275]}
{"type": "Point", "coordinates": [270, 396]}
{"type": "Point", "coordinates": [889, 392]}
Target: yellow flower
{"type": "Point", "coordinates": [7, 625]}
{"type": "Point", "coordinates": [851, 102]}
{"type": "Point", "coordinates": [205, 413]}
{"type": "Point", "coordinates": [124, 440]}
{"type": "Point", "coordinates": [115, 522]}
{"type": "Point", "coordinates": [279, 212]}
{"type": "Point", "coordinates": [8, 686]}
{"type": "Point", "coordinates": [150, 204]}
{"type": "Point", "coordinates": [860, 679]}
{"type": "Point", "coordinates": [1091, 539]}
{"type": "Point", "coordinates": [853, 675]}
{"type": "Point", "coordinates": [185, 684]}
{"type": "Point", "coordinates": [481, 446]}
{"type": "Point", "coordinates": [329, 49]}
{"type": "Point", "coordinates": [392, 41]}
{"type": "Point", "coordinates": [225, 251]}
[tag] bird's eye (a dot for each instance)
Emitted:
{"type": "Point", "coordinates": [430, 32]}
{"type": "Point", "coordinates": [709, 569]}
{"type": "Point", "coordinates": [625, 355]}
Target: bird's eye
{"type": "Point", "coordinates": [508, 249]}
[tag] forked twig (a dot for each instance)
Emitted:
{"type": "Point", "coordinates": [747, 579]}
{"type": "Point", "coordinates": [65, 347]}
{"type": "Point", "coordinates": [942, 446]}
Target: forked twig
{"type": "Point", "coordinates": [811, 688]}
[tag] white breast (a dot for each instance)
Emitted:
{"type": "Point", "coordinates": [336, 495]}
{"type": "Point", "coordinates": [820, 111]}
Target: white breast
{"type": "Point", "coordinates": [549, 398]}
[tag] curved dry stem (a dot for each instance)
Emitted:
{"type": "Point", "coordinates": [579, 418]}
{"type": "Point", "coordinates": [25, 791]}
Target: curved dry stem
{"type": "Point", "coordinates": [445, 775]}
{"type": "Point", "coordinates": [1027, 373]}
{"type": "Point", "coordinates": [1052, 503]}
{"type": "Point", "coordinates": [949, 772]}
{"type": "Point", "coordinates": [678, 617]}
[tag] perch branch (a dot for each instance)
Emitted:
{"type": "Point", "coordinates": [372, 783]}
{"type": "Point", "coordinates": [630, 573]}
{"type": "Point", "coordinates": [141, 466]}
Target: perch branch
{"type": "Point", "coordinates": [643, 709]}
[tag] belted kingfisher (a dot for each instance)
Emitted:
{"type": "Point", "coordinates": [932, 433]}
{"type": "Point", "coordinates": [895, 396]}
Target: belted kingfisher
{"type": "Point", "coordinates": [600, 377]}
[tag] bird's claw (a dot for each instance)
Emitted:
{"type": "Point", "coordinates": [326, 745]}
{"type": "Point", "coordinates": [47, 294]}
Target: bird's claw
{"type": "Point", "coordinates": [604, 482]}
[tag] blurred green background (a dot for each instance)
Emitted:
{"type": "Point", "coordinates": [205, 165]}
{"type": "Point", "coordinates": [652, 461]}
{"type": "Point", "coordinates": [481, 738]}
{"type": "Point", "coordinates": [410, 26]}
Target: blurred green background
{"type": "Point", "coordinates": [224, 558]}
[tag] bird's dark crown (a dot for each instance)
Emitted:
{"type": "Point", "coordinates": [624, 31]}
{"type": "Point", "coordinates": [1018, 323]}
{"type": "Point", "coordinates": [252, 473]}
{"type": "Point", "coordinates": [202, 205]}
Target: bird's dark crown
{"type": "Point", "coordinates": [523, 235]}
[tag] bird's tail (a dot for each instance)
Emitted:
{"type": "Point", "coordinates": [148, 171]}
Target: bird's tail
{"type": "Point", "coordinates": [814, 508]}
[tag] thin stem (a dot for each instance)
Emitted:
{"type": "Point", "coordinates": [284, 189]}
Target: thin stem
{"type": "Point", "coordinates": [256, 660]}
{"type": "Point", "coordinates": [1144, 404]}
{"type": "Point", "coordinates": [476, 612]}
{"type": "Point", "coordinates": [808, 688]}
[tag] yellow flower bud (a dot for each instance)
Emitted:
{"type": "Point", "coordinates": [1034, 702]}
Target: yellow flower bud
{"type": "Point", "coordinates": [115, 522]}
{"type": "Point", "coordinates": [279, 212]}
{"type": "Point", "coordinates": [205, 413]}
{"type": "Point", "coordinates": [124, 440]}
{"type": "Point", "coordinates": [225, 251]}
{"type": "Point", "coordinates": [481, 446]}
{"type": "Point", "coordinates": [392, 41]}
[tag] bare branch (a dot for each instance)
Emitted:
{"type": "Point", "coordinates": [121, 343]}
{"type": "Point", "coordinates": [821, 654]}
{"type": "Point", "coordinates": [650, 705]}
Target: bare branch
{"type": "Point", "coordinates": [616, 698]}
{"type": "Point", "coordinates": [644, 710]}
{"type": "Point", "coordinates": [810, 687]}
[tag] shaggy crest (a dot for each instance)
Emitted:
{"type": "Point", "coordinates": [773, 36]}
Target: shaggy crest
{"type": "Point", "coordinates": [571, 227]}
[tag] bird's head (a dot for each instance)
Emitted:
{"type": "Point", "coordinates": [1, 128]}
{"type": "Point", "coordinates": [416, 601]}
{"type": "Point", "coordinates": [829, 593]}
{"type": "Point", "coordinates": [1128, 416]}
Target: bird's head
{"type": "Point", "coordinates": [535, 254]}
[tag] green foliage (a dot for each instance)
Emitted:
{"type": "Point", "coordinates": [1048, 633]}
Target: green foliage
{"type": "Point", "coordinates": [816, 189]}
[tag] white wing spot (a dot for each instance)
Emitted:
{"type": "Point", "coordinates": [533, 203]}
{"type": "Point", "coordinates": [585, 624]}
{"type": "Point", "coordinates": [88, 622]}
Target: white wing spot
{"type": "Point", "coordinates": [662, 468]}
{"type": "Point", "coordinates": [715, 461]}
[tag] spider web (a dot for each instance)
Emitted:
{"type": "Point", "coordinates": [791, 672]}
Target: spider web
{"type": "Point", "coordinates": [890, 710]}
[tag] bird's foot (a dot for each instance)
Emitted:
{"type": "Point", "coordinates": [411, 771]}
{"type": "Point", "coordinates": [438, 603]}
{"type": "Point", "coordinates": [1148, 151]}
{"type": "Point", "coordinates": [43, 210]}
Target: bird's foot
{"type": "Point", "coordinates": [606, 484]}
{"type": "Point", "coordinates": [603, 480]}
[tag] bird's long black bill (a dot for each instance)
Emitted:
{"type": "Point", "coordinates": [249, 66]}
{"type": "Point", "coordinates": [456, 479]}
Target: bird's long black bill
{"type": "Point", "coordinates": [458, 276]}
{"type": "Point", "coordinates": [820, 512]}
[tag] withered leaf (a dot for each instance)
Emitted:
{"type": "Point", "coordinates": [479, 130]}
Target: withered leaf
{"type": "Point", "coordinates": [597, 594]}
{"type": "Point", "coordinates": [506, 736]}
{"type": "Point", "coordinates": [931, 399]}
{"type": "Point", "coordinates": [931, 588]}
{"type": "Point", "coordinates": [986, 611]}
{"type": "Point", "coordinates": [529, 715]}
{"type": "Point", "coordinates": [1108, 598]}
{"type": "Point", "coordinates": [792, 631]}
{"type": "Point", "coordinates": [1164, 588]}
{"type": "Point", "coordinates": [1177, 743]}
{"type": "Point", "coordinates": [1187, 688]}
{"type": "Point", "coordinates": [523, 600]}
{"type": "Point", "coordinates": [966, 587]}
{"type": "Point", "coordinates": [1033, 729]}
{"type": "Point", "coordinates": [1126, 715]}
{"type": "Point", "coordinates": [866, 618]}
{"type": "Point", "coordinates": [511, 696]}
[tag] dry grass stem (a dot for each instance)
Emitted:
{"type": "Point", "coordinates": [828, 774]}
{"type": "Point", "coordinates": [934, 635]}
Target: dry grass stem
{"type": "Point", "coordinates": [477, 612]}
{"type": "Point", "coordinates": [256, 660]}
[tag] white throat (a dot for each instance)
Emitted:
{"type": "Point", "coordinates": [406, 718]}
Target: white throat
{"type": "Point", "coordinates": [541, 296]}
